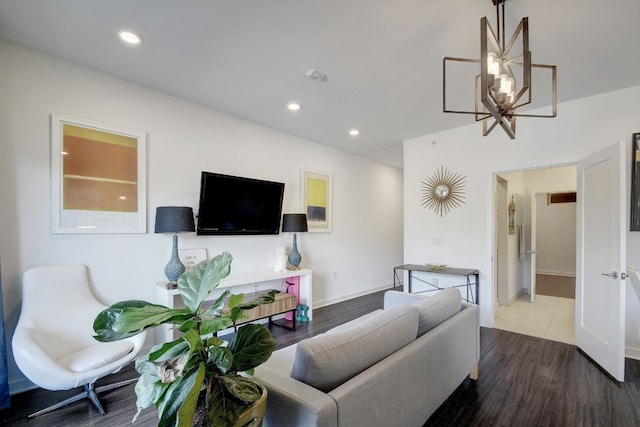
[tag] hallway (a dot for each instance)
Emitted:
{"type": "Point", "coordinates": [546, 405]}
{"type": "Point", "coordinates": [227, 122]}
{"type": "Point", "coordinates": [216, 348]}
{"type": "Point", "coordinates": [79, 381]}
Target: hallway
{"type": "Point", "coordinates": [551, 318]}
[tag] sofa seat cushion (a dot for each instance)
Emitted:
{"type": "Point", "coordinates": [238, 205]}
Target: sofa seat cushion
{"type": "Point", "coordinates": [329, 360]}
{"type": "Point", "coordinates": [435, 309]}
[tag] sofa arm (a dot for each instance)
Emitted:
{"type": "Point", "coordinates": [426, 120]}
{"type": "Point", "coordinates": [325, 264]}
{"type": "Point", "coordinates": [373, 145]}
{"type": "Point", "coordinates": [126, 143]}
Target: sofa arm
{"type": "Point", "coordinates": [476, 310]}
{"type": "Point", "coordinates": [294, 403]}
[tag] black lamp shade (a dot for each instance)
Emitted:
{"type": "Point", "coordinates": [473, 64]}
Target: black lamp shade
{"type": "Point", "coordinates": [294, 223]}
{"type": "Point", "coordinates": [173, 219]}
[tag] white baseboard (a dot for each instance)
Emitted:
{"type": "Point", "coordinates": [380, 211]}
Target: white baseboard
{"type": "Point", "coordinates": [516, 296]}
{"type": "Point", "coordinates": [21, 385]}
{"type": "Point", "coordinates": [322, 303]}
{"type": "Point", "coordinates": [632, 353]}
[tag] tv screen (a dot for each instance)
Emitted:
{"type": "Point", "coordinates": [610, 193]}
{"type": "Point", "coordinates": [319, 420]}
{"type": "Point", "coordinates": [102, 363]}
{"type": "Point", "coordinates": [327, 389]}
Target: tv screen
{"type": "Point", "coordinates": [235, 205]}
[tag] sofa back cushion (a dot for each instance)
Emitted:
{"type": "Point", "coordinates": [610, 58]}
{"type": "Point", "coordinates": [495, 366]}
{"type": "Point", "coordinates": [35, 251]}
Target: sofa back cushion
{"type": "Point", "coordinates": [326, 361]}
{"type": "Point", "coordinates": [435, 309]}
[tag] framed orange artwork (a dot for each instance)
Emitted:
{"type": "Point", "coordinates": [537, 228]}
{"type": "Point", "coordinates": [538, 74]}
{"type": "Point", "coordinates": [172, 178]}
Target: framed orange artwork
{"type": "Point", "coordinates": [98, 177]}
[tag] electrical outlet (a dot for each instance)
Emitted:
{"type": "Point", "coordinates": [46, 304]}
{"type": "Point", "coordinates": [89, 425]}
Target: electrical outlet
{"type": "Point", "coordinates": [255, 288]}
{"type": "Point", "coordinates": [335, 274]}
{"type": "Point", "coordinates": [434, 281]}
{"type": "Point", "coordinates": [438, 241]}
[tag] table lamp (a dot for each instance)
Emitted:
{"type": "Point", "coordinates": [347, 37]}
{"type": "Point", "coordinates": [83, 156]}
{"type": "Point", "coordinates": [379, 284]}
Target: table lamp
{"type": "Point", "coordinates": [294, 223]}
{"type": "Point", "coordinates": [174, 219]}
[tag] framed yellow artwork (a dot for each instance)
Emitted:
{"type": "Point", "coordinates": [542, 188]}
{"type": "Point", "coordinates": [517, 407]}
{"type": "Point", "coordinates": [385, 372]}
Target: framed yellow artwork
{"type": "Point", "coordinates": [316, 199]}
{"type": "Point", "coordinates": [98, 177]}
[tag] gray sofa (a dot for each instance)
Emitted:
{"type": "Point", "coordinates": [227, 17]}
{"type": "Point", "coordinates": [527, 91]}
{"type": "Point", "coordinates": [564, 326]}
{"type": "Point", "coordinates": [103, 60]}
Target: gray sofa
{"type": "Point", "coordinates": [394, 366]}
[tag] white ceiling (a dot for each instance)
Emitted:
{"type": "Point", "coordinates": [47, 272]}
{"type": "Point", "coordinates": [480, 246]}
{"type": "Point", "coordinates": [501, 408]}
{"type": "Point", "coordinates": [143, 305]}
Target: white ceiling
{"type": "Point", "coordinates": [383, 58]}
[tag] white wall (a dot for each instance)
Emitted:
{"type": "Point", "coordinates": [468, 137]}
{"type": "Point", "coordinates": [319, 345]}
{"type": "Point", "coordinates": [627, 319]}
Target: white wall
{"type": "Point", "coordinates": [582, 127]}
{"type": "Point", "coordinates": [556, 237]}
{"type": "Point", "coordinates": [556, 223]}
{"type": "Point", "coordinates": [183, 139]}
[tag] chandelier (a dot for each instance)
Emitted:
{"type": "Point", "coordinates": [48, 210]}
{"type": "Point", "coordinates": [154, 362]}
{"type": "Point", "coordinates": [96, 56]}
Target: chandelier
{"type": "Point", "coordinates": [504, 83]}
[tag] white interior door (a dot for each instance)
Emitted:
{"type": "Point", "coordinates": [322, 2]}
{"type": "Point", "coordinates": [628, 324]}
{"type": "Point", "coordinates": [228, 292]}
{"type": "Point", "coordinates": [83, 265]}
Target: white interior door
{"type": "Point", "coordinates": [600, 286]}
{"type": "Point", "coordinates": [529, 236]}
{"type": "Point", "coordinates": [533, 246]}
{"type": "Point", "coordinates": [502, 242]}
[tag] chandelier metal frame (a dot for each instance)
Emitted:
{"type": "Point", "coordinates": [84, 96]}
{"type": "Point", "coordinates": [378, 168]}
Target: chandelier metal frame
{"type": "Point", "coordinates": [491, 98]}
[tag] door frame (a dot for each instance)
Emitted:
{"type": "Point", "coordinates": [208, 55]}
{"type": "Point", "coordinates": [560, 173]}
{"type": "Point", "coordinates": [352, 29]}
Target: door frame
{"type": "Point", "coordinates": [501, 256]}
{"type": "Point", "coordinates": [528, 167]}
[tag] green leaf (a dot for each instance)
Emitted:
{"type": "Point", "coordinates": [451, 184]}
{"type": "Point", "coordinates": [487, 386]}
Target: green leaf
{"type": "Point", "coordinates": [215, 310]}
{"type": "Point", "coordinates": [188, 409]}
{"type": "Point", "coordinates": [174, 397]}
{"type": "Point", "coordinates": [266, 297]}
{"type": "Point", "coordinates": [167, 351]}
{"type": "Point", "coordinates": [145, 367]}
{"type": "Point", "coordinates": [214, 342]}
{"type": "Point", "coordinates": [196, 283]}
{"type": "Point", "coordinates": [235, 299]}
{"type": "Point", "coordinates": [242, 388]}
{"type": "Point", "coordinates": [223, 409]}
{"type": "Point", "coordinates": [194, 340]}
{"type": "Point", "coordinates": [251, 346]}
{"type": "Point", "coordinates": [221, 358]}
{"type": "Point", "coordinates": [149, 388]}
{"type": "Point", "coordinates": [147, 393]}
{"type": "Point", "coordinates": [214, 325]}
{"type": "Point", "coordinates": [237, 314]}
{"type": "Point", "coordinates": [237, 311]}
{"type": "Point", "coordinates": [128, 318]}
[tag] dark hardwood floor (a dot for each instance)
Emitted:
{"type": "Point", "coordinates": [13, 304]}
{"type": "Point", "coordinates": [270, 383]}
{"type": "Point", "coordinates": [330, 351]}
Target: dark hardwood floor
{"type": "Point", "coordinates": [524, 381]}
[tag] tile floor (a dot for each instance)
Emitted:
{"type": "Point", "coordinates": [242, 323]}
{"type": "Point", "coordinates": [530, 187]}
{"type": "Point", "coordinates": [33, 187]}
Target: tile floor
{"type": "Point", "coordinates": [552, 318]}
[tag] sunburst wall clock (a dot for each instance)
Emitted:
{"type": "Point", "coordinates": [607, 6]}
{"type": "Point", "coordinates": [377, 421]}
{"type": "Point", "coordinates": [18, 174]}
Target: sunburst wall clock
{"type": "Point", "coordinates": [443, 191]}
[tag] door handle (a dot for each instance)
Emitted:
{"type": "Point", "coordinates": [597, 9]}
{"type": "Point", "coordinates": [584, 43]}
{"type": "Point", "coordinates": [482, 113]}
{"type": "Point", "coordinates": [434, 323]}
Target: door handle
{"type": "Point", "coordinates": [613, 274]}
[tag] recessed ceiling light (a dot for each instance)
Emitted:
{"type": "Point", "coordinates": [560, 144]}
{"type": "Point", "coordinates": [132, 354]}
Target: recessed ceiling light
{"type": "Point", "coordinates": [129, 37]}
{"type": "Point", "coordinates": [354, 132]}
{"type": "Point", "coordinates": [294, 106]}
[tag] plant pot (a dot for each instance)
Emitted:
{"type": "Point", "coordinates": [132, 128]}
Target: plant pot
{"type": "Point", "coordinates": [253, 415]}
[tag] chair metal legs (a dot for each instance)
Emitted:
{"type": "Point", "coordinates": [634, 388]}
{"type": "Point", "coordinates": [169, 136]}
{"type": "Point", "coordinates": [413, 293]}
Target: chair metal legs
{"type": "Point", "coordinates": [90, 392]}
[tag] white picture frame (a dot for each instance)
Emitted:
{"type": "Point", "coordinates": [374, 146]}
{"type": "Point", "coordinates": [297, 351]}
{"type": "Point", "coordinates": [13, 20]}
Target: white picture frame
{"type": "Point", "coordinates": [316, 197]}
{"type": "Point", "coordinates": [98, 177]}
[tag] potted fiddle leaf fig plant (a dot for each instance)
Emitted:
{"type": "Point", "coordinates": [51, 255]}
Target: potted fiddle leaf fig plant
{"type": "Point", "coordinates": [195, 379]}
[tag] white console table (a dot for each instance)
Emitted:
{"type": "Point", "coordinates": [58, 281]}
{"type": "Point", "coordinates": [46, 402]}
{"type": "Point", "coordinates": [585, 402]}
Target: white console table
{"type": "Point", "coordinates": [171, 297]}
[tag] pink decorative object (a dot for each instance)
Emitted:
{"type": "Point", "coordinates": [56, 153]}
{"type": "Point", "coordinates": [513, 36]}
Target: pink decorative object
{"type": "Point", "coordinates": [293, 287]}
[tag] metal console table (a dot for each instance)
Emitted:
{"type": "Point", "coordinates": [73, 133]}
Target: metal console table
{"type": "Point", "coordinates": [466, 272]}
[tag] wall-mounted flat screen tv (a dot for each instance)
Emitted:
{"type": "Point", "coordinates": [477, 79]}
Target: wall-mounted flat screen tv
{"type": "Point", "coordinates": [233, 205]}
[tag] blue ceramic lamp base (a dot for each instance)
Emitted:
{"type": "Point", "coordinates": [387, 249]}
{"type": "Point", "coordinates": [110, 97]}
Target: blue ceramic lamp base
{"type": "Point", "coordinates": [294, 255]}
{"type": "Point", "coordinates": [174, 268]}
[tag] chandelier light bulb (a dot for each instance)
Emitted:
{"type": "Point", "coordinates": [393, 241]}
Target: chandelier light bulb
{"type": "Point", "coordinates": [493, 64]}
{"type": "Point", "coordinates": [506, 84]}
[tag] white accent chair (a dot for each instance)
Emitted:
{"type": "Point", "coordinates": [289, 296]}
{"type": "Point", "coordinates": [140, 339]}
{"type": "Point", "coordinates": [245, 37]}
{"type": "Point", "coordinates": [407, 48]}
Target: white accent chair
{"type": "Point", "coordinates": [53, 343]}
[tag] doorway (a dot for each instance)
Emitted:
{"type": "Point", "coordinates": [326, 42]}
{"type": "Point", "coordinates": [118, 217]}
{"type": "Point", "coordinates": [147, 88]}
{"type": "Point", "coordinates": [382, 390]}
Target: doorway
{"type": "Point", "coordinates": [519, 307]}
